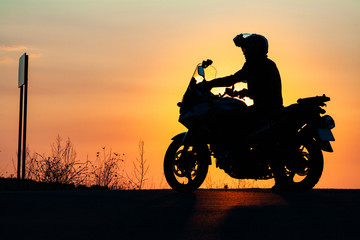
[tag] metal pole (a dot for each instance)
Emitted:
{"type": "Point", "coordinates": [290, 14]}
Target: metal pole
{"type": "Point", "coordinates": [20, 134]}
{"type": "Point", "coordinates": [25, 118]}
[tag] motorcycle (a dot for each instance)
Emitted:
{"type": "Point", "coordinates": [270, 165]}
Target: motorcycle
{"type": "Point", "coordinates": [293, 139]}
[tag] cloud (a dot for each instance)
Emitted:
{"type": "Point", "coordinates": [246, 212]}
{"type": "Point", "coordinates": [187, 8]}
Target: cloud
{"type": "Point", "coordinates": [9, 58]}
{"type": "Point", "coordinates": [35, 55]}
{"type": "Point", "coordinates": [12, 48]}
{"type": "Point", "coordinates": [4, 60]}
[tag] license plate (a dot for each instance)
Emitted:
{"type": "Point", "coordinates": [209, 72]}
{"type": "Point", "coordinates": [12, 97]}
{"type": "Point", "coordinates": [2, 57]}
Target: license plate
{"type": "Point", "coordinates": [325, 134]}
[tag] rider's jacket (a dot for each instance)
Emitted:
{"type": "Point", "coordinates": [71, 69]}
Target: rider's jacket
{"type": "Point", "coordinates": [264, 84]}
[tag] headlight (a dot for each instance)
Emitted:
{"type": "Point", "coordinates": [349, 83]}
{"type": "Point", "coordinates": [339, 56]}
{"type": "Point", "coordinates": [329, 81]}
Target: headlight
{"type": "Point", "coordinates": [328, 121]}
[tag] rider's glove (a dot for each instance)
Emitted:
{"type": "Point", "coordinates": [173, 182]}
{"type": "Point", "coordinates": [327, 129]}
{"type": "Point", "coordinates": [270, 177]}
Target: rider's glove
{"type": "Point", "coordinates": [206, 63]}
{"type": "Point", "coordinates": [243, 93]}
{"type": "Point", "coordinates": [230, 92]}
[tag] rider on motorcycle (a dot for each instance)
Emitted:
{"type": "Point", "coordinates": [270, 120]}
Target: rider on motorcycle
{"type": "Point", "coordinates": [263, 82]}
{"type": "Point", "coordinates": [260, 73]}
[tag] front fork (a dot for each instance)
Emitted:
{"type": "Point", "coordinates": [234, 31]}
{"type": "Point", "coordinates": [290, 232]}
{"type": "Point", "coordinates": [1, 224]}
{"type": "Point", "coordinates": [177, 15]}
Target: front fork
{"type": "Point", "coordinates": [187, 139]}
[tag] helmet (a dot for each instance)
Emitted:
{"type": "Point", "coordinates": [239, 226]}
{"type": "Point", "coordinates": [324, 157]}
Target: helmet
{"type": "Point", "coordinates": [252, 44]}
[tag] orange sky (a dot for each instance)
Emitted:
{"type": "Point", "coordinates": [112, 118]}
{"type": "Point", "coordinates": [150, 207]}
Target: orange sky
{"type": "Point", "coordinates": [109, 73]}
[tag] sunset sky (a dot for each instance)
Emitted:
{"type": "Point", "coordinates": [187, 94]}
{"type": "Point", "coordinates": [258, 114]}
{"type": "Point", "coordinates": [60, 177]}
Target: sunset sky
{"type": "Point", "coordinates": [109, 73]}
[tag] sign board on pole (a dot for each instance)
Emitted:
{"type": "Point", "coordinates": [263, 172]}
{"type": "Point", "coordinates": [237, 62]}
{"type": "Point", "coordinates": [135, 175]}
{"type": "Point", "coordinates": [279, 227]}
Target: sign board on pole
{"type": "Point", "coordinates": [22, 70]}
{"type": "Point", "coordinates": [23, 85]}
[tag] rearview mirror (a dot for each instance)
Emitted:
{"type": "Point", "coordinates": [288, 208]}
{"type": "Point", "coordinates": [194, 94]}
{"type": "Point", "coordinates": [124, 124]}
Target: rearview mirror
{"type": "Point", "coordinates": [201, 71]}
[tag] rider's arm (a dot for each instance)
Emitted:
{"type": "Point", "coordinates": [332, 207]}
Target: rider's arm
{"type": "Point", "coordinates": [228, 81]}
{"type": "Point", "coordinates": [223, 82]}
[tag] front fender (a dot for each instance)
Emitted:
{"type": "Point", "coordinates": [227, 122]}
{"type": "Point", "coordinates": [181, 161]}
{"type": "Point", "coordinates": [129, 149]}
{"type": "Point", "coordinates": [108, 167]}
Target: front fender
{"type": "Point", "coordinates": [180, 136]}
{"type": "Point", "coordinates": [184, 138]}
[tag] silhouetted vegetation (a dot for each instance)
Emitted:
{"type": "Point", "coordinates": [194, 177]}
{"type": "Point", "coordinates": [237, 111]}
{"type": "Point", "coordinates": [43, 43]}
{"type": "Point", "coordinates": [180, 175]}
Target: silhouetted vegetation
{"type": "Point", "coordinates": [108, 170]}
{"type": "Point", "coordinates": [12, 183]}
{"type": "Point", "coordinates": [60, 167]}
{"type": "Point", "coordinates": [62, 170]}
{"type": "Point", "coordinates": [141, 169]}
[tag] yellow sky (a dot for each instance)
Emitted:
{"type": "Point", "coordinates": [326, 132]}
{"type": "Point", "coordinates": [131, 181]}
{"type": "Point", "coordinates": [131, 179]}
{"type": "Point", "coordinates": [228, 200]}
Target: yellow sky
{"type": "Point", "coordinates": [109, 73]}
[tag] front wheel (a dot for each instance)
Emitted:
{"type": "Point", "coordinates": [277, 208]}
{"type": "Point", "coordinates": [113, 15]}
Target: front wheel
{"type": "Point", "coordinates": [186, 168]}
{"type": "Point", "coordinates": [304, 168]}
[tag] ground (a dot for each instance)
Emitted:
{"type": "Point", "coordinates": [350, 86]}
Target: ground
{"type": "Point", "coordinates": [165, 214]}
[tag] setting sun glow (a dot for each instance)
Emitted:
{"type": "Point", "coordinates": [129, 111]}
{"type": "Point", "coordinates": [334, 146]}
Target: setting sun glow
{"type": "Point", "coordinates": [110, 73]}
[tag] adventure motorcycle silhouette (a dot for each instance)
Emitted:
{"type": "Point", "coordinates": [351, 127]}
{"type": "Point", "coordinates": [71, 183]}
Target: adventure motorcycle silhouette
{"type": "Point", "coordinates": [295, 138]}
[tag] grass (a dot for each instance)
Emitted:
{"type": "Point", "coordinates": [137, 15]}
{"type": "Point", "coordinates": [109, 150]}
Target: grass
{"type": "Point", "coordinates": [7, 184]}
{"type": "Point", "coordinates": [62, 171]}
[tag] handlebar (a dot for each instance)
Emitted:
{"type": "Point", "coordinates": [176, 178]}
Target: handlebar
{"type": "Point", "coordinates": [231, 92]}
{"type": "Point", "coordinates": [206, 63]}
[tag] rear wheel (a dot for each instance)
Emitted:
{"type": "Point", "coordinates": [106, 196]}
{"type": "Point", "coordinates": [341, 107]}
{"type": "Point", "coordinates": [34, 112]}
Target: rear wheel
{"type": "Point", "coordinates": [304, 168]}
{"type": "Point", "coordinates": [186, 168]}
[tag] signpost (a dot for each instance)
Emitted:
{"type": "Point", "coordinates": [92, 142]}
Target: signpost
{"type": "Point", "coordinates": [23, 85]}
